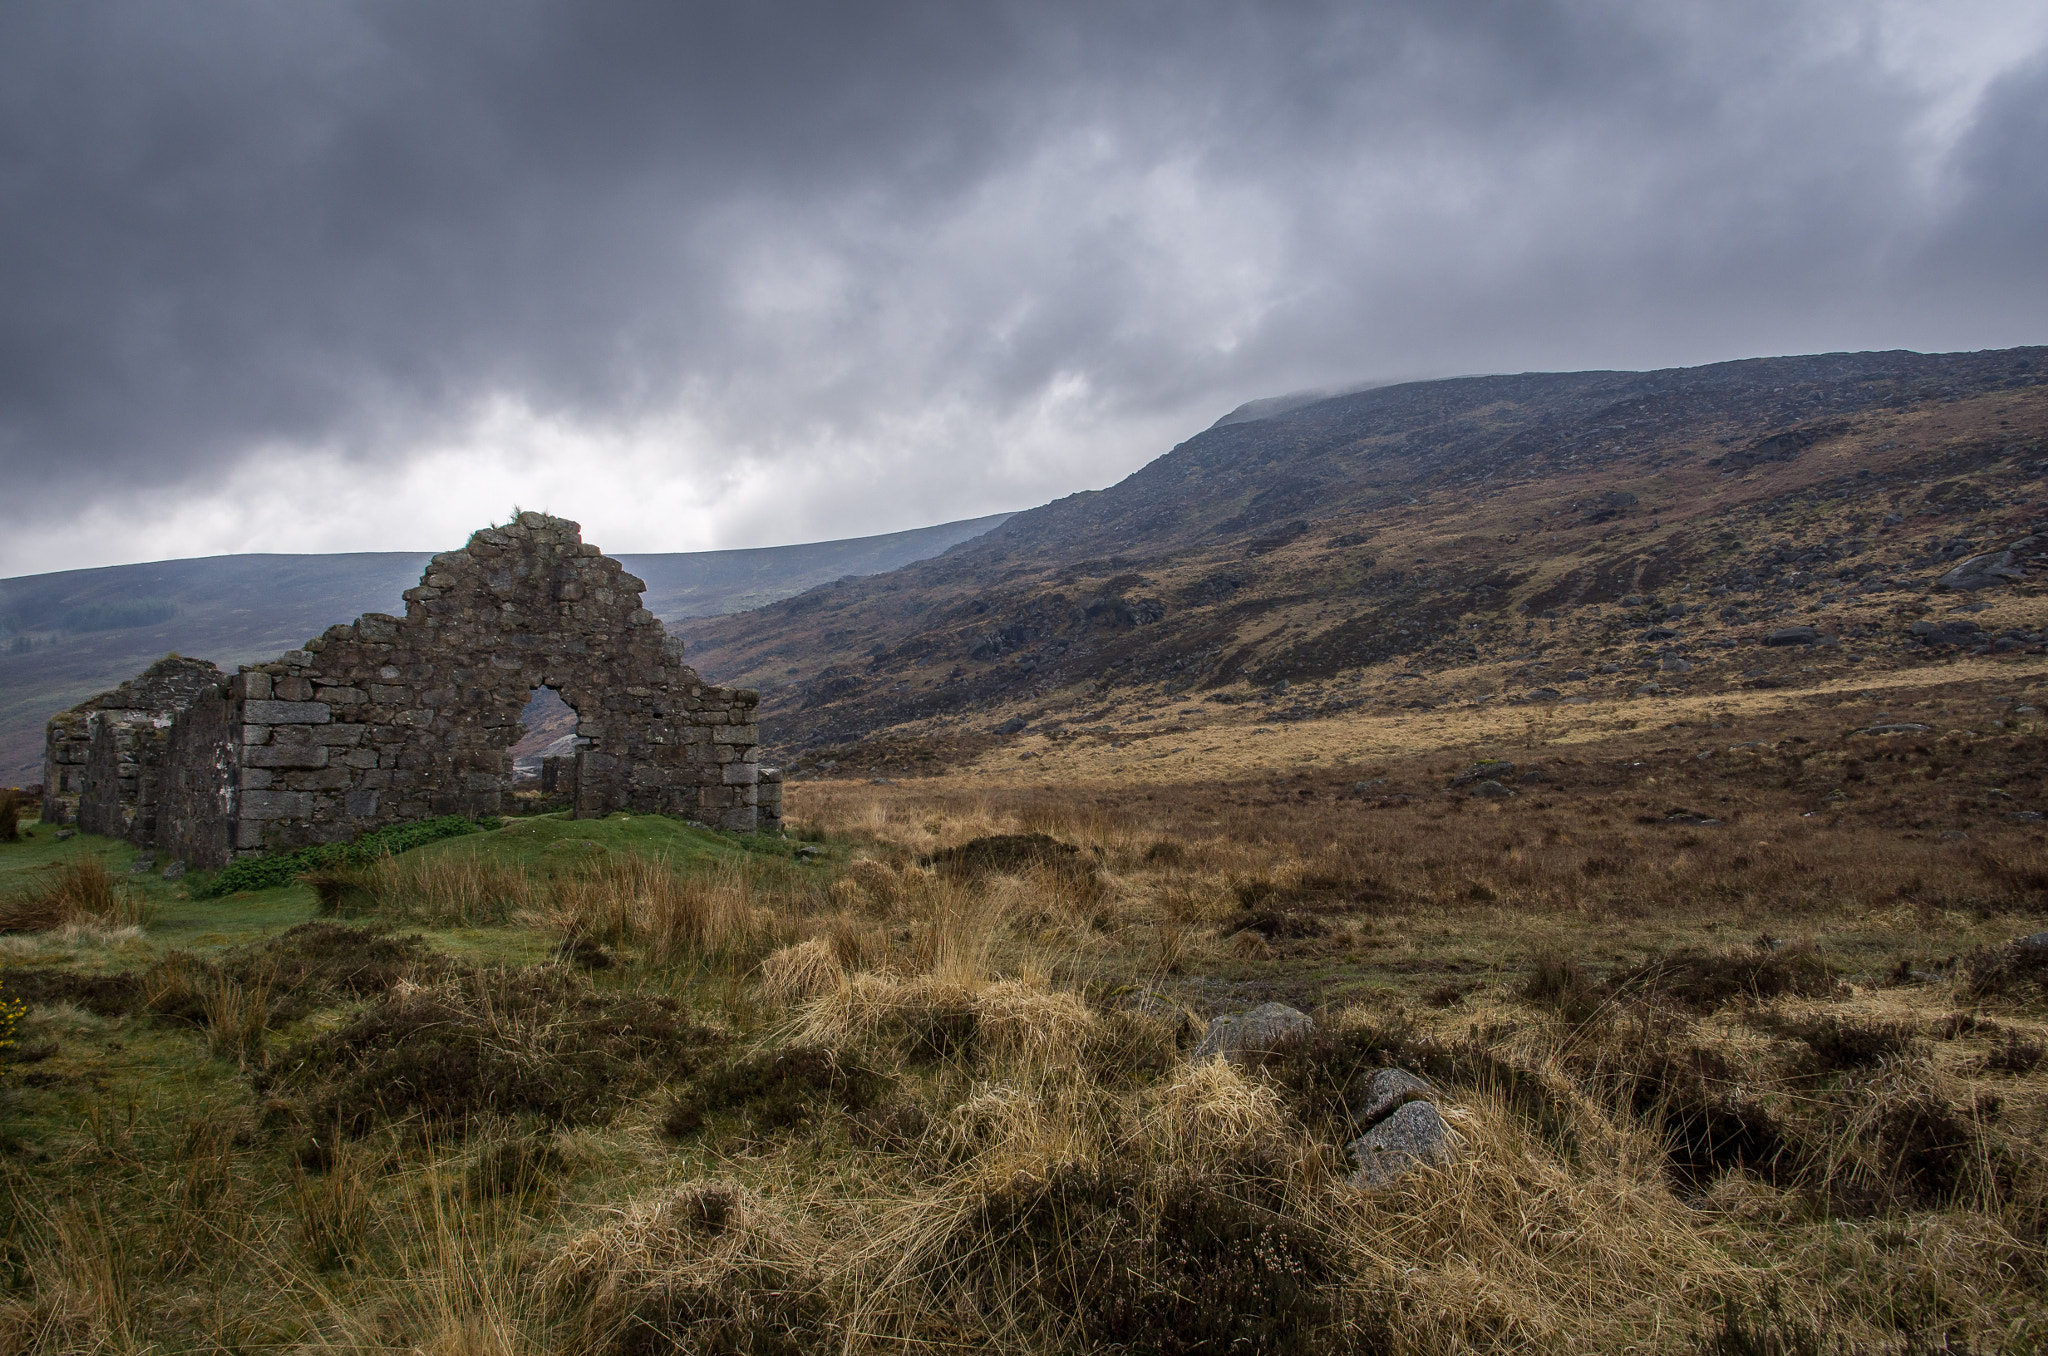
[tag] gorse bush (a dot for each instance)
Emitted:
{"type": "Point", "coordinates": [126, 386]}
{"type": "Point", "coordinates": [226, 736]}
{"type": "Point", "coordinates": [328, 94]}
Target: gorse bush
{"type": "Point", "coordinates": [11, 1010]}
{"type": "Point", "coordinates": [267, 873]}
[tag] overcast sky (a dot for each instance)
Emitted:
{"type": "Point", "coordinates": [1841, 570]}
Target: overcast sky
{"type": "Point", "coordinates": [359, 276]}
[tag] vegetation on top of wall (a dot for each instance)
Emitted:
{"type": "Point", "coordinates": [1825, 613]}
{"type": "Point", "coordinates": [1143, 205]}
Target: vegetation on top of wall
{"type": "Point", "coordinates": [269, 872]}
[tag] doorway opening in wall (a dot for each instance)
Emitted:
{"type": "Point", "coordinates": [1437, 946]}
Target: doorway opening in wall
{"type": "Point", "coordinates": [547, 740]}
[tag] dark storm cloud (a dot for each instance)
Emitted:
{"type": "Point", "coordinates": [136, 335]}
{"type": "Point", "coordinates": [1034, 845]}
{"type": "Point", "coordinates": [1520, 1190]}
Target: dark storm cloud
{"type": "Point", "coordinates": [328, 231]}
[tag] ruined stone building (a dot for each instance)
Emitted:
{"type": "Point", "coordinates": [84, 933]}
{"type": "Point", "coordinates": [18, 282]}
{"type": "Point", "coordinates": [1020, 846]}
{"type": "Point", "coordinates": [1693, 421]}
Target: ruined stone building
{"type": "Point", "coordinates": [390, 719]}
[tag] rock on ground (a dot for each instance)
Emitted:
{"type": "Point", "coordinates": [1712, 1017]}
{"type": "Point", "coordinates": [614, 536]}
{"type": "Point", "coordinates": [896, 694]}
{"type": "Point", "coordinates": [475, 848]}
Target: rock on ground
{"type": "Point", "coordinates": [1265, 1028]}
{"type": "Point", "coordinates": [1414, 1136]}
{"type": "Point", "coordinates": [1374, 1096]}
{"type": "Point", "coordinates": [1983, 572]}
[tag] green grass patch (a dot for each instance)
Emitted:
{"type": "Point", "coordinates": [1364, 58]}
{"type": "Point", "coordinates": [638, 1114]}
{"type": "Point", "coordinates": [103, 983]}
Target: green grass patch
{"type": "Point", "coordinates": [269, 872]}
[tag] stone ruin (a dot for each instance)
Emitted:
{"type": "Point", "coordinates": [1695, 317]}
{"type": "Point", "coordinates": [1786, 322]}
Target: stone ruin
{"type": "Point", "coordinates": [387, 719]}
{"type": "Point", "coordinates": [103, 759]}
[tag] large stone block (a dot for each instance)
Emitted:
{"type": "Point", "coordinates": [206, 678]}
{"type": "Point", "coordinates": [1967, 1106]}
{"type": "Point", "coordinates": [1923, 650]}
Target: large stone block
{"type": "Point", "coordinates": [326, 779]}
{"type": "Point", "coordinates": [273, 805]}
{"type": "Point", "coordinates": [286, 713]}
{"type": "Point", "coordinates": [296, 753]}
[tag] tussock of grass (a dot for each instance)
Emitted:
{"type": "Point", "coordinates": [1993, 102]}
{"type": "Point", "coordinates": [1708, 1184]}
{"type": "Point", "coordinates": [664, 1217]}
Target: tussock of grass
{"type": "Point", "coordinates": [669, 916]}
{"type": "Point", "coordinates": [446, 890]}
{"type": "Point", "coordinates": [802, 971]}
{"type": "Point", "coordinates": [80, 893]}
{"type": "Point", "coordinates": [710, 1268]}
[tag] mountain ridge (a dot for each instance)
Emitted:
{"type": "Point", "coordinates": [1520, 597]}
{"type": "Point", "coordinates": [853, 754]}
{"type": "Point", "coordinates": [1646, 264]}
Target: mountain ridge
{"type": "Point", "coordinates": [1357, 530]}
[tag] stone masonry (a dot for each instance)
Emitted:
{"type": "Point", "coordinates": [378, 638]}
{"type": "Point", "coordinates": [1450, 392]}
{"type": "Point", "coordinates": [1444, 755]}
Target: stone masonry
{"type": "Point", "coordinates": [391, 719]}
{"type": "Point", "coordinates": [115, 744]}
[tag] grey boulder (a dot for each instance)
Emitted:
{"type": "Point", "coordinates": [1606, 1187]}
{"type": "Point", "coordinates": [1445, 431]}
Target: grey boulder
{"type": "Point", "coordinates": [1982, 572]}
{"type": "Point", "coordinates": [1386, 1090]}
{"type": "Point", "coordinates": [1245, 1035]}
{"type": "Point", "coordinates": [1415, 1136]}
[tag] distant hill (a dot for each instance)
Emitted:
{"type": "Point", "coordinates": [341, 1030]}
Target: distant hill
{"type": "Point", "coordinates": [1444, 535]}
{"type": "Point", "coordinates": [69, 635]}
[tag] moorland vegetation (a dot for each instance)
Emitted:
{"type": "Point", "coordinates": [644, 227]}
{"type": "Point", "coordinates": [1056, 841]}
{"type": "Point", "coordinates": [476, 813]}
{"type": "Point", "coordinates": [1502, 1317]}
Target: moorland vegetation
{"type": "Point", "coordinates": [1743, 1053]}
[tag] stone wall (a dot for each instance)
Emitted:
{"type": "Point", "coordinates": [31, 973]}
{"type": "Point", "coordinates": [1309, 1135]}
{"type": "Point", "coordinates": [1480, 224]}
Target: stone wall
{"type": "Point", "coordinates": [124, 765]}
{"type": "Point", "coordinates": [153, 697]}
{"type": "Point", "coordinates": [201, 794]}
{"type": "Point", "coordinates": [391, 719]}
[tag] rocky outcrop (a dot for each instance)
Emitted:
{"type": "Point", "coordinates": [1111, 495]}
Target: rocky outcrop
{"type": "Point", "coordinates": [1987, 571]}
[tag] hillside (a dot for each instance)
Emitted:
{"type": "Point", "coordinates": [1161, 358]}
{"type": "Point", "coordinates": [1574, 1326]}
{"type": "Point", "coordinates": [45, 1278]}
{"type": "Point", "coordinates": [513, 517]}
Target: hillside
{"type": "Point", "coordinates": [1541, 537]}
{"type": "Point", "coordinates": [69, 635]}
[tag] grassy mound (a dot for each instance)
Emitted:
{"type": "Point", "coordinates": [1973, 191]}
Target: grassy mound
{"type": "Point", "coordinates": [269, 872]}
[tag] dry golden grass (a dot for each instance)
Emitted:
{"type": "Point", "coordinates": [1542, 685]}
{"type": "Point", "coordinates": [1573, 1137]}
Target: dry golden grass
{"type": "Point", "coordinates": [666, 914]}
{"type": "Point", "coordinates": [1761, 1064]}
{"type": "Point", "coordinates": [77, 894]}
{"type": "Point", "coordinates": [803, 971]}
{"type": "Point", "coordinates": [461, 889]}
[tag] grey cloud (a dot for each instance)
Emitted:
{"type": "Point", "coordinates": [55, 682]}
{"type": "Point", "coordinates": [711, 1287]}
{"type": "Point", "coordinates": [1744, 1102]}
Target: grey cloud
{"type": "Point", "coordinates": [228, 223]}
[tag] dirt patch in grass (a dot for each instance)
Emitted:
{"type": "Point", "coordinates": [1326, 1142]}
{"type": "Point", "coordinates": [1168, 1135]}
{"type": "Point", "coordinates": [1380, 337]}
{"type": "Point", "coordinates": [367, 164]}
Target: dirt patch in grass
{"type": "Point", "coordinates": [1274, 924]}
{"type": "Point", "coordinates": [1709, 1123]}
{"type": "Point", "coordinates": [537, 1042]}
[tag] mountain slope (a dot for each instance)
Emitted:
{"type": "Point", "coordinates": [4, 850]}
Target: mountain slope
{"type": "Point", "coordinates": [1410, 523]}
{"type": "Point", "coordinates": [69, 635]}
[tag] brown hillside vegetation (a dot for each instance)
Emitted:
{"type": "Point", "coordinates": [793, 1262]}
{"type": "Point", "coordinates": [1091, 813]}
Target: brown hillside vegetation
{"type": "Point", "coordinates": [1740, 1050]}
{"type": "Point", "coordinates": [1489, 537]}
